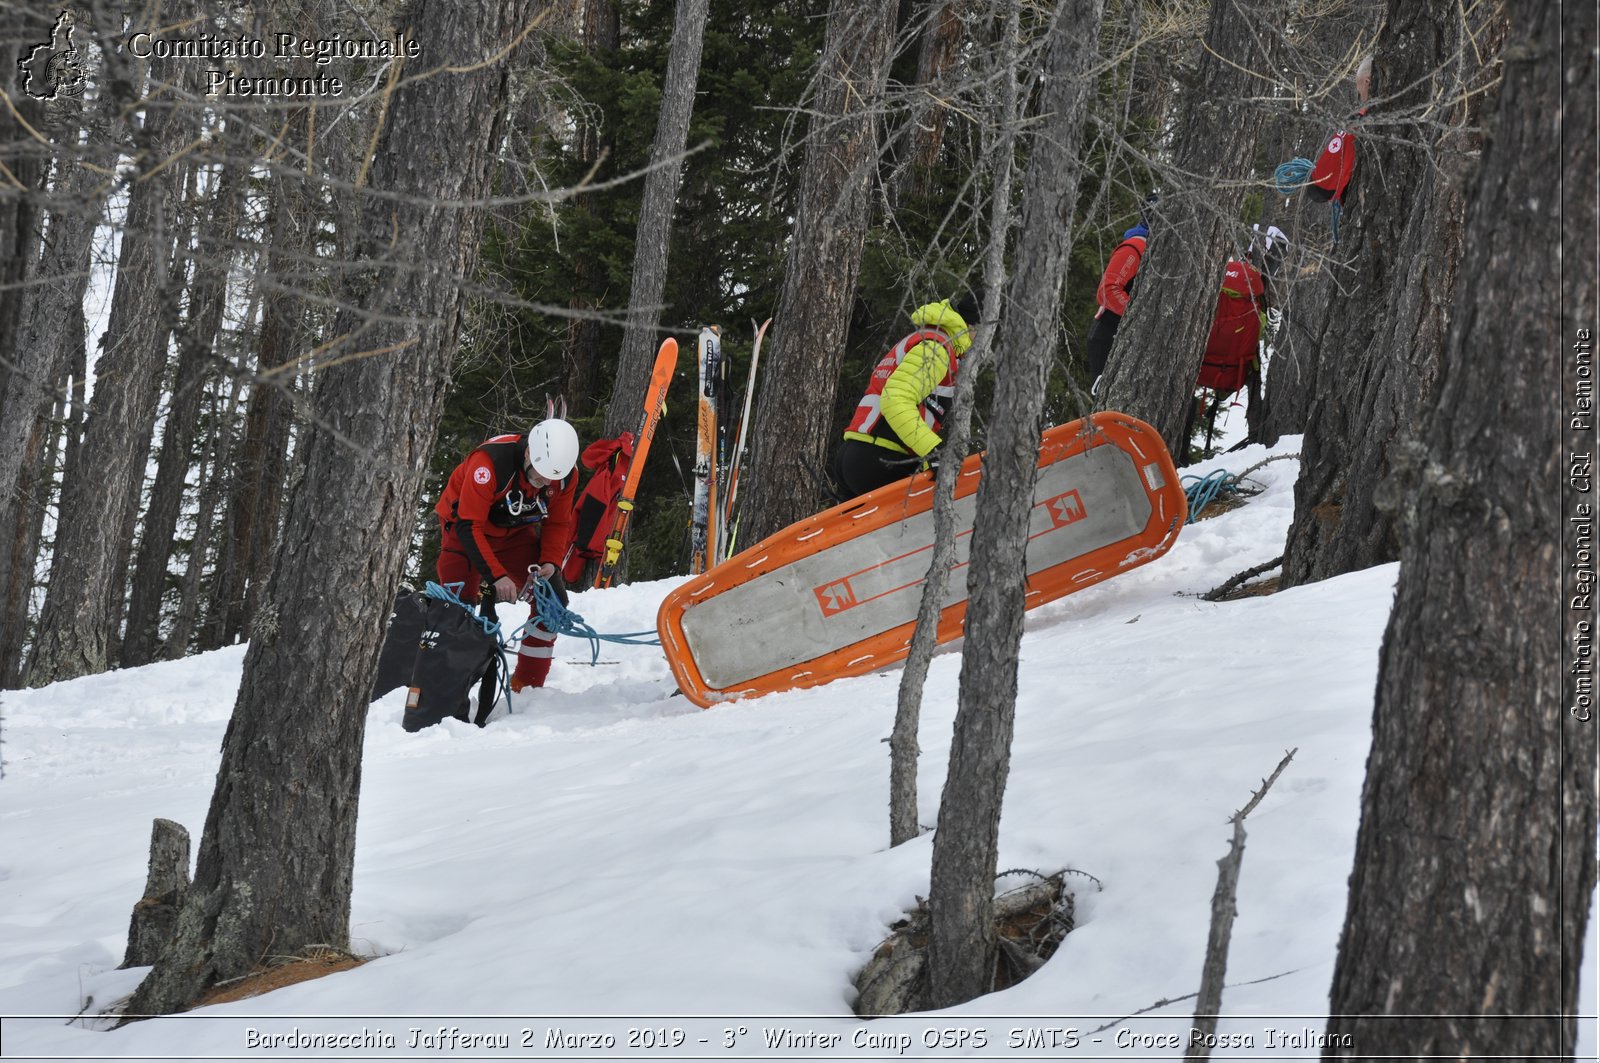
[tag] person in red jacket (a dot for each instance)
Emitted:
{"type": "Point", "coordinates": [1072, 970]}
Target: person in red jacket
{"type": "Point", "coordinates": [506, 511]}
{"type": "Point", "coordinates": [1113, 294]}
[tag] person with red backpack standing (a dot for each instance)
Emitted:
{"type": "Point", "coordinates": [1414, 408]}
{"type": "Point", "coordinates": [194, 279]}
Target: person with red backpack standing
{"type": "Point", "coordinates": [1231, 360]}
{"type": "Point", "coordinates": [895, 428]}
{"type": "Point", "coordinates": [506, 511]}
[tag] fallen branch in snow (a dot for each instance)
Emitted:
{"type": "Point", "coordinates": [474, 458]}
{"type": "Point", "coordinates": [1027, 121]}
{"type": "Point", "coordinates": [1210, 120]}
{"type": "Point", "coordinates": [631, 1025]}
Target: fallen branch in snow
{"type": "Point", "coordinates": [1266, 461]}
{"type": "Point", "coordinates": [1224, 907]}
{"type": "Point", "coordinates": [1169, 1001]}
{"type": "Point", "coordinates": [1217, 593]}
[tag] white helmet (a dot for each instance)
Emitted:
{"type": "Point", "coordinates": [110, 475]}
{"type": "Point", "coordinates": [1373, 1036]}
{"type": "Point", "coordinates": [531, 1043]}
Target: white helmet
{"type": "Point", "coordinates": [553, 449]}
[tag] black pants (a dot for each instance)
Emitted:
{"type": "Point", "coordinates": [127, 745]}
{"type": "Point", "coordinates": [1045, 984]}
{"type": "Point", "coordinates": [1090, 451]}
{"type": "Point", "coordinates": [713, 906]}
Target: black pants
{"type": "Point", "coordinates": [1101, 333]}
{"type": "Point", "coordinates": [862, 467]}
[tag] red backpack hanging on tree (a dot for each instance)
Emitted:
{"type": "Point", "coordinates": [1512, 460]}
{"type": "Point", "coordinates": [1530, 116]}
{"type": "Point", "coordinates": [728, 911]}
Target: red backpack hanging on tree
{"type": "Point", "coordinates": [1330, 174]}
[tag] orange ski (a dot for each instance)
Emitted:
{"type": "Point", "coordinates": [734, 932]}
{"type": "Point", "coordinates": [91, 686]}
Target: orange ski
{"type": "Point", "coordinates": [655, 400]}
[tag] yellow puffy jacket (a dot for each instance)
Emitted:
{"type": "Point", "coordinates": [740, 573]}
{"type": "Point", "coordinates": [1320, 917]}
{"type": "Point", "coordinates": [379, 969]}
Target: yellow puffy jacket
{"type": "Point", "coordinates": [912, 384]}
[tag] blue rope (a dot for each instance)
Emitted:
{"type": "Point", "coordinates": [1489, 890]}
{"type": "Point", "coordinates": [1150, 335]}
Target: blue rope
{"type": "Point", "coordinates": [451, 592]}
{"type": "Point", "coordinates": [1291, 176]}
{"type": "Point", "coordinates": [555, 618]}
{"type": "Point", "coordinates": [1202, 492]}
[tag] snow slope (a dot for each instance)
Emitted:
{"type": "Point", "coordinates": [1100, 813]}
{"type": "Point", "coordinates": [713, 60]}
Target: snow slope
{"type": "Point", "coordinates": [610, 859]}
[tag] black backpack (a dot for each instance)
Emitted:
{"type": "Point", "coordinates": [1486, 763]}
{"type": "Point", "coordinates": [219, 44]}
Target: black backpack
{"type": "Point", "coordinates": [438, 650]}
{"type": "Point", "coordinates": [400, 644]}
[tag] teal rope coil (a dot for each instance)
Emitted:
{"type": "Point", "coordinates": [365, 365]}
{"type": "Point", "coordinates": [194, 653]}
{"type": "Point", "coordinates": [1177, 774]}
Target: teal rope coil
{"type": "Point", "coordinates": [1292, 176]}
{"type": "Point", "coordinates": [1202, 492]}
{"type": "Point", "coordinates": [550, 615]}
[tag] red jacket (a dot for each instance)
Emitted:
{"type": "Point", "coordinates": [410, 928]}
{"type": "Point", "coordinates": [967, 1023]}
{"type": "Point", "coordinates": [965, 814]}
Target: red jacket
{"type": "Point", "coordinates": [1116, 284]}
{"type": "Point", "coordinates": [488, 499]}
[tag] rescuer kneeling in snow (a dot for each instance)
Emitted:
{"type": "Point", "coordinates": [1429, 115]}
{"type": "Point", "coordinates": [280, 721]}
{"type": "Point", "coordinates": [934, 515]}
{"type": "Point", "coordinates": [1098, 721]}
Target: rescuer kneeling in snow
{"type": "Point", "coordinates": [895, 430]}
{"type": "Point", "coordinates": [505, 512]}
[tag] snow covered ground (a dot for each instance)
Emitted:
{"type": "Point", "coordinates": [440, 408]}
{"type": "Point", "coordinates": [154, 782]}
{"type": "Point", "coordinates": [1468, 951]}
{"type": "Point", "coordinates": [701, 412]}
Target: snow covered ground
{"type": "Point", "coordinates": [611, 861]}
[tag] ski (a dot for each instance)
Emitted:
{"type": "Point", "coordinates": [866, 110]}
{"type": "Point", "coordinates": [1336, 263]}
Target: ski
{"type": "Point", "coordinates": [729, 515]}
{"type": "Point", "coordinates": [655, 400]}
{"type": "Point", "coordinates": [703, 533]}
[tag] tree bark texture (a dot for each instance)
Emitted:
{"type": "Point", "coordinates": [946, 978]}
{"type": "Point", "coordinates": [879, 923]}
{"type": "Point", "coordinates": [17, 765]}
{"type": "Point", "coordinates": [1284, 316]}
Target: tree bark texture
{"type": "Point", "coordinates": [87, 590]}
{"type": "Point", "coordinates": [961, 947]}
{"type": "Point", "coordinates": [800, 370]}
{"type": "Point", "coordinates": [1156, 357]}
{"type": "Point", "coordinates": [923, 133]}
{"type": "Point", "coordinates": [196, 342]}
{"type": "Point", "coordinates": [1475, 859]}
{"type": "Point", "coordinates": [25, 160]}
{"type": "Point", "coordinates": [586, 347]}
{"type": "Point", "coordinates": [261, 463]}
{"type": "Point", "coordinates": [654, 237]}
{"type": "Point", "coordinates": [278, 850]}
{"type": "Point", "coordinates": [50, 332]}
{"type": "Point", "coordinates": [186, 619]}
{"type": "Point", "coordinates": [156, 913]}
{"type": "Point", "coordinates": [903, 745]}
{"type": "Point", "coordinates": [1303, 288]}
{"type": "Point", "coordinates": [1389, 307]}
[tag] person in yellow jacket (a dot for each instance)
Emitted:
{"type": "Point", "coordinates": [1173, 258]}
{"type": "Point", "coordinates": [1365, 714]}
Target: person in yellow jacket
{"type": "Point", "coordinates": [895, 429]}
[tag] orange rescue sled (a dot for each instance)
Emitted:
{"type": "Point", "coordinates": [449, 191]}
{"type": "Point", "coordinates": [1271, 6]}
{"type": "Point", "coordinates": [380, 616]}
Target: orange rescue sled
{"type": "Point", "coordinates": [837, 595]}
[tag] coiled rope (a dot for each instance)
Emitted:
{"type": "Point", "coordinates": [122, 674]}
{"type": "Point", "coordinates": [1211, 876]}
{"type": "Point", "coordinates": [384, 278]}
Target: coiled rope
{"type": "Point", "coordinates": [550, 614]}
{"type": "Point", "coordinates": [1201, 492]}
{"type": "Point", "coordinates": [1292, 176]}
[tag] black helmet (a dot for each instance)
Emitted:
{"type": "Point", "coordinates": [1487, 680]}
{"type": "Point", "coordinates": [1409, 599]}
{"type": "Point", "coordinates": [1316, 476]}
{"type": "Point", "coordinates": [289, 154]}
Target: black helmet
{"type": "Point", "coordinates": [969, 305]}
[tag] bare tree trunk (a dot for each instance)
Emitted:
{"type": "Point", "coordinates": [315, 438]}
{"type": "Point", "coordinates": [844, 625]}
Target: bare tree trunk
{"type": "Point", "coordinates": [26, 161]}
{"type": "Point", "coordinates": [1387, 319]}
{"type": "Point", "coordinates": [1156, 356]}
{"type": "Point", "coordinates": [49, 333]}
{"type": "Point", "coordinates": [86, 591]}
{"type": "Point", "coordinates": [903, 748]}
{"type": "Point", "coordinates": [961, 947]}
{"type": "Point", "coordinates": [1475, 860]}
{"type": "Point", "coordinates": [655, 216]}
{"type": "Point", "coordinates": [926, 121]}
{"type": "Point", "coordinates": [800, 371]}
{"type": "Point", "coordinates": [586, 346]}
{"type": "Point", "coordinates": [1304, 286]}
{"type": "Point", "coordinates": [197, 339]}
{"type": "Point", "coordinates": [278, 851]}
{"type": "Point", "coordinates": [186, 619]}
